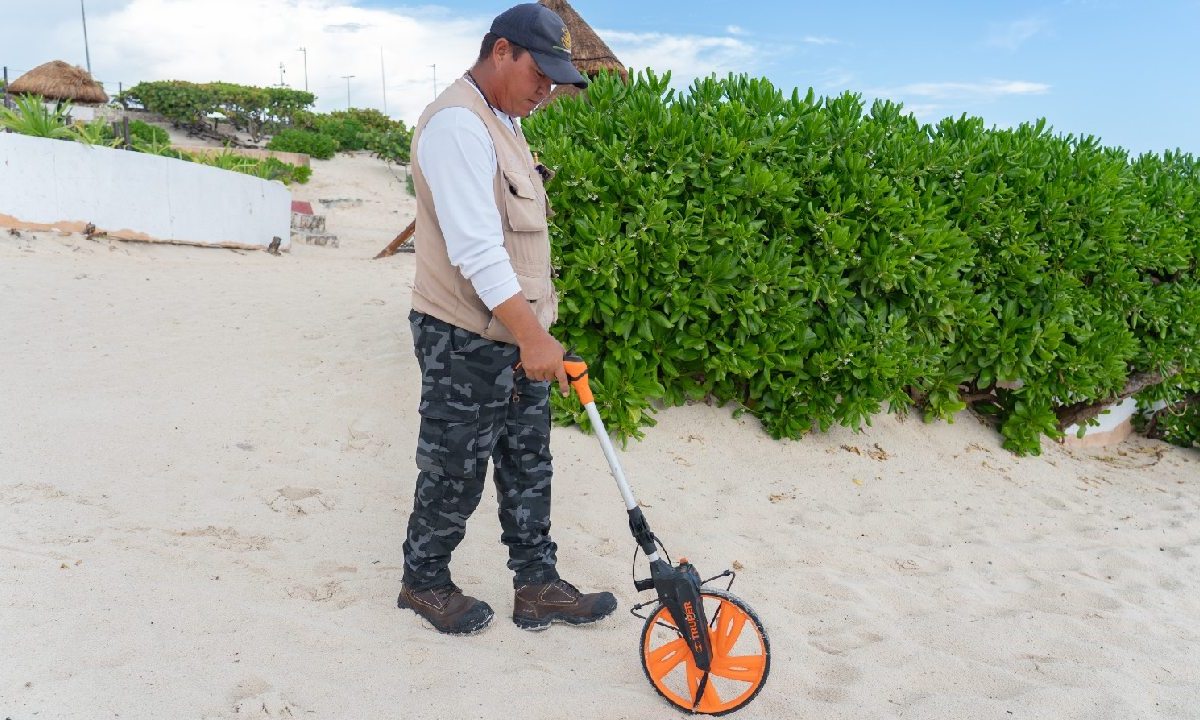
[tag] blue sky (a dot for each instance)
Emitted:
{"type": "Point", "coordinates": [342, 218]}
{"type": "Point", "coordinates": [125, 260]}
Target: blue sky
{"type": "Point", "coordinates": [1124, 71]}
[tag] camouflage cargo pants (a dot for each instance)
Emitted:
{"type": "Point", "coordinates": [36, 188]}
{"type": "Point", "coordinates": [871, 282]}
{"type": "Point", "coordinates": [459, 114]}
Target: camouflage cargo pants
{"type": "Point", "coordinates": [472, 410]}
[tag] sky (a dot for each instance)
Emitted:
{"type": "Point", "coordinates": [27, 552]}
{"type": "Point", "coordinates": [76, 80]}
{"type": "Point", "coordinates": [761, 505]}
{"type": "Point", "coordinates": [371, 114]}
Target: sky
{"type": "Point", "coordinates": [1124, 71]}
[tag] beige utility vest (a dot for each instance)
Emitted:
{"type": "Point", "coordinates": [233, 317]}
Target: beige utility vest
{"type": "Point", "coordinates": [439, 289]}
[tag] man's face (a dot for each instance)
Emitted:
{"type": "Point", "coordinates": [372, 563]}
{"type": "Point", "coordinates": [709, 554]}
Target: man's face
{"type": "Point", "coordinates": [522, 85]}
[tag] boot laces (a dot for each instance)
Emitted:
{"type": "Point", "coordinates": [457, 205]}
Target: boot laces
{"type": "Point", "coordinates": [445, 592]}
{"type": "Point", "coordinates": [567, 587]}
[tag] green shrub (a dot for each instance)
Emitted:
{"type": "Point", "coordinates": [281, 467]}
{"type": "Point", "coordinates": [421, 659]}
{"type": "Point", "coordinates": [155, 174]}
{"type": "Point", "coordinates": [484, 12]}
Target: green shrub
{"type": "Point", "coordinates": [1178, 424]}
{"type": "Point", "coordinates": [301, 174]}
{"type": "Point", "coordinates": [347, 131]}
{"type": "Point", "coordinates": [96, 132]}
{"type": "Point", "coordinates": [1170, 411]}
{"type": "Point", "coordinates": [362, 129]}
{"type": "Point", "coordinates": [305, 120]}
{"type": "Point", "coordinates": [101, 132]}
{"type": "Point", "coordinates": [228, 161]}
{"type": "Point", "coordinates": [266, 168]}
{"type": "Point", "coordinates": [286, 173]}
{"type": "Point", "coordinates": [313, 144]}
{"type": "Point", "coordinates": [391, 145]}
{"type": "Point", "coordinates": [146, 132]}
{"type": "Point", "coordinates": [163, 149]}
{"type": "Point", "coordinates": [370, 118]}
{"type": "Point", "coordinates": [736, 243]}
{"type": "Point", "coordinates": [354, 128]}
{"type": "Point", "coordinates": [814, 262]}
{"type": "Point", "coordinates": [257, 111]}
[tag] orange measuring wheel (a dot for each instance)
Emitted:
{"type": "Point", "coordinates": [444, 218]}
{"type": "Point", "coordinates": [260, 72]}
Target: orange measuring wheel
{"type": "Point", "coordinates": [705, 651]}
{"type": "Point", "coordinates": [741, 657]}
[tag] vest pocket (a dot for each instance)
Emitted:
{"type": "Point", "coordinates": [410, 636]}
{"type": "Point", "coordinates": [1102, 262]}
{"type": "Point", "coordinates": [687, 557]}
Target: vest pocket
{"type": "Point", "coordinates": [525, 208]}
{"type": "Point", "coordinates": [532, 287]}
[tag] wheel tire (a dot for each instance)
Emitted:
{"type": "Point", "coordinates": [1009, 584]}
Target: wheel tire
{"type": "Point", "coordinates": [732, 624]}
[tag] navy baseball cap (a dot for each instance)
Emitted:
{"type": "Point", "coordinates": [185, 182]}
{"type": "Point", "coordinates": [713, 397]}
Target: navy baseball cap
{"type": "Point", "coordinates": [542, 32]}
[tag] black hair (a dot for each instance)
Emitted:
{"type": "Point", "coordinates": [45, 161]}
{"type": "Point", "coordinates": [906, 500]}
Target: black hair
{"type": "Point", "coordinates": [489, 43]}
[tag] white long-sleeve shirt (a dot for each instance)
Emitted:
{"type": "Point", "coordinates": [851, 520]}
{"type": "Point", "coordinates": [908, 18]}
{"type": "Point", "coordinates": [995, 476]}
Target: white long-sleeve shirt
{"type": "Point", "coordinates": [459, 162]}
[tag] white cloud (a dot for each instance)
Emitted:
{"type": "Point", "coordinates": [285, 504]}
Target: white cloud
{"type": "Point", "coordinates": [735, 30]}
{"type": "Point", "coordinates": [926, 112]}
{"type": "Point", "coordinates": [1011, 36]}
{"type": "Point", "coordinates": [346, 27]}
{"type": "Point", "coordinates": [244, 41]}
{"type": "Point", "coordinates": [835, 79]}
{"type": "Point", "coordinates": [686, 56]}
{"type": "Point", "coordinates": [818, 40]}
{"type": "Point", "coordinates": [986, 91]}
{"type": "Point", "coordinates": [932, 101]}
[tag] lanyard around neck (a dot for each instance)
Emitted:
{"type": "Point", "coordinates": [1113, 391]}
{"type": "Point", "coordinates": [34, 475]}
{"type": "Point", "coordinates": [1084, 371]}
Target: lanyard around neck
{"type": "Point", "coordinates": [471, 78]}
{"type": "Point", "coordinates": [516, 127]}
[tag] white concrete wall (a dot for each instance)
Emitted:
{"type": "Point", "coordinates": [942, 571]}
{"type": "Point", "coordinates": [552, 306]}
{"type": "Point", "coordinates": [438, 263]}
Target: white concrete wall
{"type": "Point", "coordinates": [1110, 420]}
{"type": "Point", "coordinates": [54, 184]}
{"type": "Point", "coordinates": [80, 113]}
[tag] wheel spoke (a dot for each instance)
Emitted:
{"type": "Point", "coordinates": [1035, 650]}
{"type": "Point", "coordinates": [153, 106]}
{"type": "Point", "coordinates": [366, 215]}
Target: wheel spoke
{"type": "Point", "coordinates": [663, 659]}
{"type": "Point", "coordinates": [746, 668]}
{"type": "Point", "coordinates": [729, 629]}
{"type": "Point", "coordinates": [710, 701]}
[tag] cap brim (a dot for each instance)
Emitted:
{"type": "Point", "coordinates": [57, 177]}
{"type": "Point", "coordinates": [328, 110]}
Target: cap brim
{"type": "Point", "coordinates": [560, 71]}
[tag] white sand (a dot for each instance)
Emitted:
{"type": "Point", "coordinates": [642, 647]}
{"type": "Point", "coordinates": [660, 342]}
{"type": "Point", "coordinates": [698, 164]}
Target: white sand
{"type": "Point", "coordinates": [206, 468]}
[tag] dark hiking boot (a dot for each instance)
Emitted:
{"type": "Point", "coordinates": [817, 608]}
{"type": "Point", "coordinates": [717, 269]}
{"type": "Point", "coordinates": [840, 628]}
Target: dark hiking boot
{"type": "Point", "coordinates": [447, 609]}
{"type": "Point", "coordinates": [536, 606]}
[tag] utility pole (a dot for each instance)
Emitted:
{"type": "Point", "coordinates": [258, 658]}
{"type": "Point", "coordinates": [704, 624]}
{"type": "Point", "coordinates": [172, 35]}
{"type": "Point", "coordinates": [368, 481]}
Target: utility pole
{"type": "Point", "coordinates": [347, 79]}
{"type": "Point", "coordinates": [383, 74]}
{"type": "Point", "coordinates": [86, 52]}
{"type": "Point", "coordinates": [434, 66]}
{"type": "Point", "coordinates": [305, 51]}
{"type": "Point", "coordinates": [281, 72]}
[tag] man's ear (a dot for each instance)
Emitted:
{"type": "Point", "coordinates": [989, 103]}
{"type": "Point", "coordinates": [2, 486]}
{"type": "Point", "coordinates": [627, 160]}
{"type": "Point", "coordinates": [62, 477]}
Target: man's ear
{"type": "Point", "coordinates": [502, 49]}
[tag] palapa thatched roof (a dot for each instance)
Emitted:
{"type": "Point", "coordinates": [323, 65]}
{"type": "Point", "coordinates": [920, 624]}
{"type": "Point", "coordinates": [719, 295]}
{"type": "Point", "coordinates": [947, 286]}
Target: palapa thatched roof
{"type": "Point", "coordinates": [590, 54]}
{"type": "Point", "coordinates": [57, 80]}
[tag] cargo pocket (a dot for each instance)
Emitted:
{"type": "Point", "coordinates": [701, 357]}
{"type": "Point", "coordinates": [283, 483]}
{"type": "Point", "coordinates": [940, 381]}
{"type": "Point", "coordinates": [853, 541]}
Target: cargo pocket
{"type": "Point", "coordinates": [448, 440]}
{"type": "Point", "coordinates": [463, 341]}
{"type": "Point", "coordinates": [526, 209]}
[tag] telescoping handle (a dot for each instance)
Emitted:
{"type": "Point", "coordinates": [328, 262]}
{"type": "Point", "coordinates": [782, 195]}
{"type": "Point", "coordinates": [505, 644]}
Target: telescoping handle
{"type": "Point", "coordinates": [577, 375]}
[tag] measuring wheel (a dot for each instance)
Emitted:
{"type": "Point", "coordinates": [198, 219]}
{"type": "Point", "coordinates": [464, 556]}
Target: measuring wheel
{"type": "Point", "coordinates": [720, 661]}
{"type": "Point", "coordinates": [741, 657]}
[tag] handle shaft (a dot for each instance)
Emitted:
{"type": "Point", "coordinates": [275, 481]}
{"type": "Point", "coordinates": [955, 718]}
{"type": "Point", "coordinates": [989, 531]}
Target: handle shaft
{"type": "Point", "coordinates": [577, 374]}
{"type": "Point", "coordinates": [610, 454]}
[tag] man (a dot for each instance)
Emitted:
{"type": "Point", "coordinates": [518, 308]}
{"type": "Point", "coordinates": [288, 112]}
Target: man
{"type": "Point", "coordinates": [483, 301]}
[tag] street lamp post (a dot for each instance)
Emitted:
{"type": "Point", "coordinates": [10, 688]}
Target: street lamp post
{"type": "Point", "coordinates": [347, 79]}
{"type": "Point", "coordinates": [383, 75]}
{"type": "Point", "coordinates": [86, 52]}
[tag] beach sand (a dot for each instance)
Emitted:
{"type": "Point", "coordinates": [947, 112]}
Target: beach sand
{"type": "Point", "coordinates": [206, 466]}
